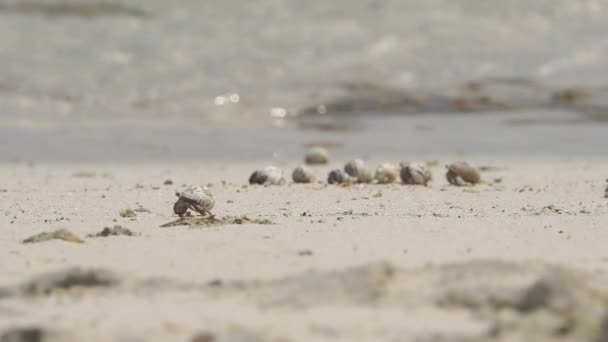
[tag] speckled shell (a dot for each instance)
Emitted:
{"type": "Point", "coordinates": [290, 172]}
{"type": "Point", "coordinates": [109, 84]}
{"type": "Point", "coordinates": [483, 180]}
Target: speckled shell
{"type": "Point", "coordinates": [461, 173]}
{"type": "Point", "coordinates": [415, 173]}
{"type": "Point", "coordinates": [270, 175]}
{"type": "Point", "coordinates": [386, 173]}
{"type": "Point", "coordinates": [302, 174]}
{"type": "Point", "coordinates": [337, 176]}
{"type": "Point", "coordinates": [194, 197]}
{"type": "Point", "coordinates": [316, 156]}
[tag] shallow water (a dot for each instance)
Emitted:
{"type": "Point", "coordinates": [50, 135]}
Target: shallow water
{"type": "Point", "coordinates": [102, 80]}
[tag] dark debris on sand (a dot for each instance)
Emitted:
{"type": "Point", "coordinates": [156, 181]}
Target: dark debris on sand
{"type": "Point", "coordinates": [61, 234]}
{"type": "Point", "coordinates": [64, 280]}
{"type": "Point", "coordinates": [114, 231]}
{"type": "Point", "coordinates": [212, 221]}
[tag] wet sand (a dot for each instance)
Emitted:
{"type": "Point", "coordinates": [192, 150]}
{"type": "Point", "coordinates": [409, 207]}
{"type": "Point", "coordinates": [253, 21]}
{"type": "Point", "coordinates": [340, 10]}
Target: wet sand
{"type": "Point", "coordinates": [363, 262]}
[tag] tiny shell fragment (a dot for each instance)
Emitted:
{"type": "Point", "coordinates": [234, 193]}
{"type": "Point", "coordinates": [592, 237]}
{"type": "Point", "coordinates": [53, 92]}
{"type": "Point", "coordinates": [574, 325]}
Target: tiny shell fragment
{"type": "Point", "coordinates": [302, 174]}
{"type": "Point", "coordinates": [317, 155]}
{"type": "Point", "coordinates": [270, 175]}
{"type": "Point", "coordinates": [386, 173]}
{"type": "Point", "coordinates": [415, 173]}
{"type": "Point", "coordinates": [461, 173]}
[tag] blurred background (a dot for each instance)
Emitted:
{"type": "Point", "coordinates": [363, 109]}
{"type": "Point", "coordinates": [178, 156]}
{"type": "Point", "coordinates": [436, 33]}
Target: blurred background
{"type": "Point", "coordinates": [149, 80]}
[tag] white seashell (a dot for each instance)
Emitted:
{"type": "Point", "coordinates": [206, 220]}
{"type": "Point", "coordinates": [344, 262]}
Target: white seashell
{"type": "Point", "coordinates": [197, 198]}
{"type": "Point", "coordinates": [461, 173]}
{"type": "Point", "coordinates": [270, 175]}
{"type": "Point", "coordinates": [317, 155]}
{"type": "Point", "coordinates": [386, 173]}
{"type": "Point", "coordinates": [302, 174]}
{"type": "Point", "coordinates": [337, 176]}
{"type": "Point", "coordinates": [415, 173]}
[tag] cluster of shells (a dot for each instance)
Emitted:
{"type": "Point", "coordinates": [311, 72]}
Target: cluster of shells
{"type": "Point", "coordinates": [200, 199]}
{"type": "Point", "coordinates": [356, 171]}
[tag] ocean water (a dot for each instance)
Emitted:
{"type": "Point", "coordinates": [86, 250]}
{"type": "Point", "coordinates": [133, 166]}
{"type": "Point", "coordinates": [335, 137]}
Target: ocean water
{"type": "Point", "coordinates": [153, 80]}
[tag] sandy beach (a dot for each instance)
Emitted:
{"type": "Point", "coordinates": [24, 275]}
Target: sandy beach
{"type": "Point", "coordinates": [110, 107]}
{"type": "Point", "coordinates": [363, 262]}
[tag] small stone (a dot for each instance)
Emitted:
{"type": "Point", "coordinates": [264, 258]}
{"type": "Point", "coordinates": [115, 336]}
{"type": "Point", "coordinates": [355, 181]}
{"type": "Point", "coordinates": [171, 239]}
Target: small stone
{"type": "Point", "coordinates": [337, 176]}
{"type": "Point", "coordinates": [415, 173]}
{"type": "Point", "coordinates": [129, 213]}
{"type": "Point", "coordinates": [317, 156]}
{"type": "Point", "coordinates": [302, 174]}
{"type": "Point", "coordinates": [270, 175]}
{"type": "Point", "coordinates": [386, 173]}
{"type": "Point", "coordinates": [168, 182]}
{"type": "Point", "coordinates": [461, 173]}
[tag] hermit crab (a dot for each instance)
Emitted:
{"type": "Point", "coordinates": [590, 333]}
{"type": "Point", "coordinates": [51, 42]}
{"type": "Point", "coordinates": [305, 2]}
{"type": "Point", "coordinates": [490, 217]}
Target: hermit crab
{"type": "Point", "coordinates": [196, 198]}
{"type": "Point", "coordinates": [461, 173]}
{"type": "Point", "coordinates": [415, 173]}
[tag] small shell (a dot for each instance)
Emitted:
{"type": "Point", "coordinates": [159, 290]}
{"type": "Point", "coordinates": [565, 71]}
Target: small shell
{"type": "Point", "coordinates": [337, 176]}
{"type": "Point", "coordinates": [316, 155]}
{"type": "Point", "coordinates": [356, 168]}
{"type": "Point", "coordinates": [365, 175]}
{"type": "Point", "coordinates": [415, 173]}
{"type": "Point", "coordinates": [461, 173]}
{"type": "Point", "coordinates": [197, 198]}
{"type": "Point", "coordinates": [302, 174]}
{"type": "Point", "coordinates": [270, 175]}
{"type": "Point", "coordinates": [352, 167]}
{"type": "Point", "coordinates": [386, 173]}
{"type": "Point", "coordinates": [606, 192]}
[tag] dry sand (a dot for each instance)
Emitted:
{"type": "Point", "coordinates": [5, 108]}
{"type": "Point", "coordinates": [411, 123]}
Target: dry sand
{"type": "Point", "coordinates": [520, 259]}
